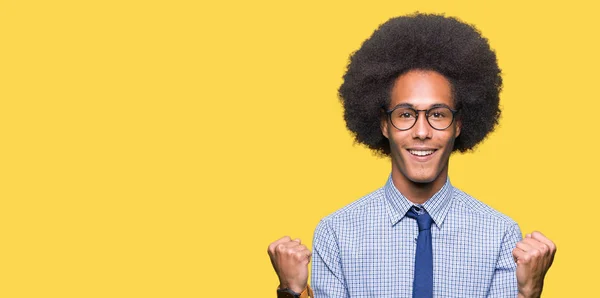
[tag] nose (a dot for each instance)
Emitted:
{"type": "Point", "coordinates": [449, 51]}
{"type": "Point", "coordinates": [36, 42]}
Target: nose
{"type": "Point", "coordinates": [422, 130]}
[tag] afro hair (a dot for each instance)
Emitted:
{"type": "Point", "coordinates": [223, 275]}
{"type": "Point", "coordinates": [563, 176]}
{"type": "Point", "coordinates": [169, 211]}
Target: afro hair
{"type": "Point", "coordinates": [427, 42]}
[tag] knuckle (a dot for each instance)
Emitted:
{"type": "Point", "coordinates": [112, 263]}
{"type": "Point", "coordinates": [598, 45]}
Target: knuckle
{"type": "Point", "coordinates": [280, 248]}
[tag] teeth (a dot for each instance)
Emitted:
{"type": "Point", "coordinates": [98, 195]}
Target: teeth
{"type": "Point", "coordinates": [421, 153]}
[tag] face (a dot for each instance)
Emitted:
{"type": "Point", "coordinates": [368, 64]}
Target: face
{"type": "Point", "coordinates": [421, 153]}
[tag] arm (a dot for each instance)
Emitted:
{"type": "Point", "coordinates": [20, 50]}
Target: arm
{"type": "Point", "coordinates": [504, 281]}
{"type": "Point", "coordinates": [534, 256]}
{"type": "Point", "coordinates": [327, 276]}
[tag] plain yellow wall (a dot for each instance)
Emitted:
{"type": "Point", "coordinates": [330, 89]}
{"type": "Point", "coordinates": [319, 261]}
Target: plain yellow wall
{"type": "Point", "coordinates": [155, 148]}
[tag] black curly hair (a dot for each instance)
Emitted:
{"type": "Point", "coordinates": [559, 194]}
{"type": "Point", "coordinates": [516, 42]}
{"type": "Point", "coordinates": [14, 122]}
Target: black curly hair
{"type": "Point", "coordinates": [426, 42]}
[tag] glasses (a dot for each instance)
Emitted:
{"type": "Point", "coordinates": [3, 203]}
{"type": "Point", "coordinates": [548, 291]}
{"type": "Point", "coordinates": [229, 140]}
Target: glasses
{"type": "Point", "coordinates": [404, 118]}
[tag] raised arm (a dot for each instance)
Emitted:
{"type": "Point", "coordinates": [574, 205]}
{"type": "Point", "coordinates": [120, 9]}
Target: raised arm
{"type": "Point", "coordinates": [290, 260]}
{"type": "Point", "coordinates": [534, 256]}
{"type": "Point", "coordinates": [327, 277]}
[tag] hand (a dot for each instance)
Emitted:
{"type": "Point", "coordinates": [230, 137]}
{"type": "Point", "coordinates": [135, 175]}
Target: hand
{"type": "Point", "coordinates": [290, 260]}
{"type": "Point", "coordinates": [534, 256]}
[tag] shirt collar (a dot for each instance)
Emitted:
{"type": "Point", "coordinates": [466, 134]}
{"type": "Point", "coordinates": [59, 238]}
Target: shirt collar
{"type": "Point", "coordinates": [437, 206]}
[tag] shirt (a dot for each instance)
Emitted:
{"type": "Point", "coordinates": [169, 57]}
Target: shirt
{"type": "Point", "coordinates": [367, 249]}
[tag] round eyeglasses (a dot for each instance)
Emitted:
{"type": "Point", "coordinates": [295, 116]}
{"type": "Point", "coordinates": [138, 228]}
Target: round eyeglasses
{"type": "Point", "coordinates": [404, 118]}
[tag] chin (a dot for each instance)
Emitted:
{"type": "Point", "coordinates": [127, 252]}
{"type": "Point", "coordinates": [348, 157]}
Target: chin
{"type": "Point", "coordinates": [423, 178]}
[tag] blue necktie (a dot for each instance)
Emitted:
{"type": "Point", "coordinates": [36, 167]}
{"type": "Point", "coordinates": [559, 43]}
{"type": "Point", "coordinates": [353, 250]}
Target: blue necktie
{"type": "Point", "coordinates": [423, 282]}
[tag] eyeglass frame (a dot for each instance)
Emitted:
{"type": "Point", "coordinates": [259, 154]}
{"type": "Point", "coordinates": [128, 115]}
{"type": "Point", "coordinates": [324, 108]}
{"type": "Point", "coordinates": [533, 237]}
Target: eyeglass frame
{"type": "Point", "coordinates": [418, 112]}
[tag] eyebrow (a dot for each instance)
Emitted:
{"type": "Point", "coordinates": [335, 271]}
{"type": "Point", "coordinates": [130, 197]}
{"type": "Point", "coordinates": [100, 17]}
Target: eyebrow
{"type": "Point", "coordinates": [408, 105]}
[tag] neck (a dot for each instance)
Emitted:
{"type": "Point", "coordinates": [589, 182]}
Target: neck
{"type": "Point", "coordinates": [418, 192]}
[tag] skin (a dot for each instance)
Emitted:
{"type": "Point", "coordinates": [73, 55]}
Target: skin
{"type": "Point", "coordinates": [419, 179]}
{"type": "Point", "coordinates": [290, 260]}
{"type": "Point", "coordinates": [534, 256]}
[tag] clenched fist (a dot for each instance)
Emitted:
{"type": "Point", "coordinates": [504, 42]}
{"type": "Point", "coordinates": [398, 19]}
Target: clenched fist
{"type": "Point", "coordinates": [534, 256]}
{"type": "Point", "coordinates": [290, 260]}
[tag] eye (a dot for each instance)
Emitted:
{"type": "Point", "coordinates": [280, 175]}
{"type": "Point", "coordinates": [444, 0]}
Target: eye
{"type": "Point", "coordinates": [439, 113]}
{"type": "Point", "coordinates": [404, 114]}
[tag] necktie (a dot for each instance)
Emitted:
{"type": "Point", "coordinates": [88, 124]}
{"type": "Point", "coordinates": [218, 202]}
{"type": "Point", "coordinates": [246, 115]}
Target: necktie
{"type": "Point", "coordinates": [423, 279]}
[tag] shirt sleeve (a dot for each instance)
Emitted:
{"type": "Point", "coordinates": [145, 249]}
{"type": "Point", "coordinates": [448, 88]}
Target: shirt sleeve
{"type": "Point", "coordinates": [504, 281]}
{"type": "Point", "coordinates": [327, 276]}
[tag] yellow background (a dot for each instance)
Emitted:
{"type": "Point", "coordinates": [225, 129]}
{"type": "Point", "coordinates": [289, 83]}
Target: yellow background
{"type": "Point", "coordinates": [155, 148]}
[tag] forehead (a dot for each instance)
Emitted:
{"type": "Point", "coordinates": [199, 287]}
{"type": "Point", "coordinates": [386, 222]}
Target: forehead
{"type": "Point", "coordinates": [421, 89]}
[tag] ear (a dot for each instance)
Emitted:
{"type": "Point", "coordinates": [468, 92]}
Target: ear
{"type": "Point", "coordinates": [457, 128]}
{"type": "Point", "coordinates": [384, 125]}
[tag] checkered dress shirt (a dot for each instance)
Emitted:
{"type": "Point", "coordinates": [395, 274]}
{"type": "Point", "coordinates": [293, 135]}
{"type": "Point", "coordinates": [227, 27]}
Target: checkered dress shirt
{"type": "Point", "coordinates": [367, 249]}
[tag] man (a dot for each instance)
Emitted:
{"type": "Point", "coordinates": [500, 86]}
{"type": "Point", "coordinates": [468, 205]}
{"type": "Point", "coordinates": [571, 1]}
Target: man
{"type": "Point", "coordinates": [421, 87]}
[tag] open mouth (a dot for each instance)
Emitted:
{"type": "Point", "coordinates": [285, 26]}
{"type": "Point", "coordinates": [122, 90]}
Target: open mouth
{"type": "Point", "coordinates": [421, 153]}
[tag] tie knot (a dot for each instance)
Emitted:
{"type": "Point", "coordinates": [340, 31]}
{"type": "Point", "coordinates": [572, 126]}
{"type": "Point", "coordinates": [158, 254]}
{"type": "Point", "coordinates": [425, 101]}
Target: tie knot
{"type": "Point", "coordinates": [423, 218]}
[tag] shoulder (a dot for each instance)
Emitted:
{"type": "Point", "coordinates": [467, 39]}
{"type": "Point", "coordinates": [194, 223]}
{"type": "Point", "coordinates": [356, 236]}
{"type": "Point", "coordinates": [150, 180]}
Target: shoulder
{"type": "Point", "coordinates": [358, 208]}
{"type": "Point", "coordinates": [369, 206]}
{"type": "Point", "coordinates": [465, 203]}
